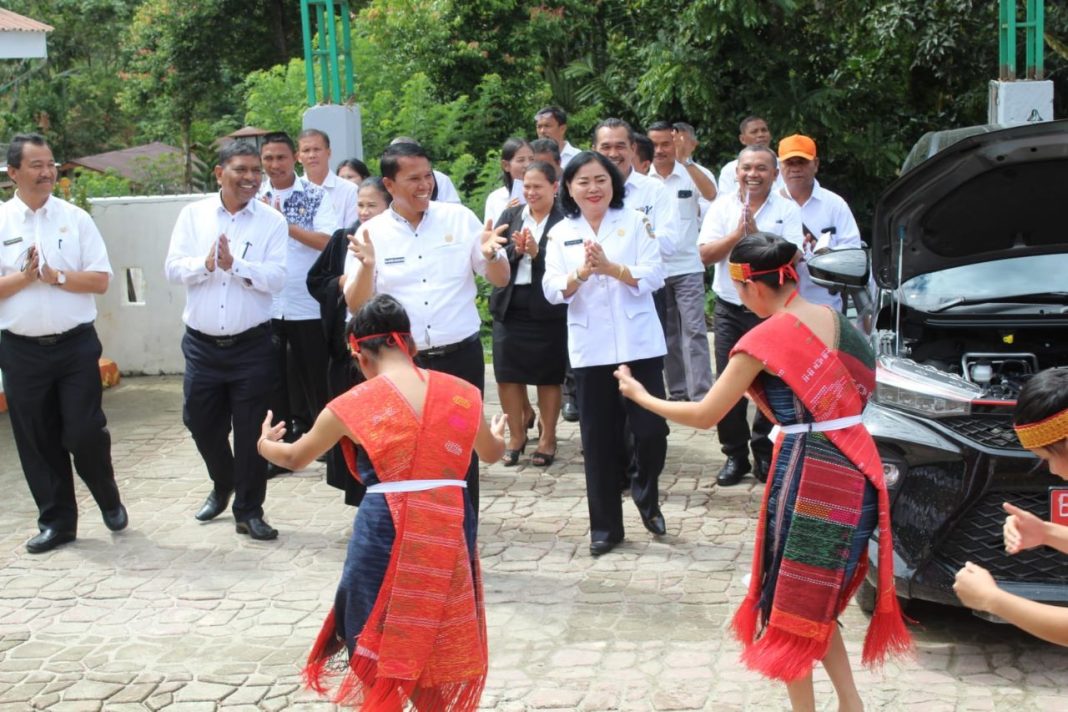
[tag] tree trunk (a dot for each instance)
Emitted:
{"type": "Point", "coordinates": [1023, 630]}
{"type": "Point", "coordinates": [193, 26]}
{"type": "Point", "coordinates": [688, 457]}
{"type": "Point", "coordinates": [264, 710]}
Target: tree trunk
{"type": "Point", "coordinates": [187, 150]}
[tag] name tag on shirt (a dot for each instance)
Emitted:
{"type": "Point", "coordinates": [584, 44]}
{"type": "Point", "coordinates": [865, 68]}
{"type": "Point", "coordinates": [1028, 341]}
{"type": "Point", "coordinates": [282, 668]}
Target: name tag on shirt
{"type": "Point", "coordinates": [394, 260]}
{"type": "Point", "coordinates": [569, 243]}
{"type": "Point", "coordinates": [685, 194]}
{"type": "Point", "coordinates": [12, 241]}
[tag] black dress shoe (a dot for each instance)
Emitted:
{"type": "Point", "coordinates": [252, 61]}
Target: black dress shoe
{"type": "Point", "coordinates": [257, 529]}
{"type": "Point", "coordinates": [213, 506]}
{"type": "Point", "coordinates": [598, 548]}
{"type": "Point", "coordinates": [116, 519]}
{"type": "Point", "coordinates": [733, 471]}
{"type": "Point", "coordinates": [47, 540]}
{"type": "Point", "coordinates": [655, 524]}
{"type": "Point", "coordinates": [570, 411]}
{"type": "Point", "coordinates": [761, 469]}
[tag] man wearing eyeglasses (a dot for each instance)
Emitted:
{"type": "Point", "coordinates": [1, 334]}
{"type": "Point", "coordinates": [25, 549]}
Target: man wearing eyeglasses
{"type": "Point", "coordinates": [52, 262]}
{"type": "Point", "coordinates": [229, 250]}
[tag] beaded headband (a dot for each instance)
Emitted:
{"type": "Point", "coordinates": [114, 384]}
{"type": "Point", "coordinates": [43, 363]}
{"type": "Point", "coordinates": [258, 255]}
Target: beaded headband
{"type": "Point", "coordinates": [1044, 432]}
{"type": "Point", "coordinates": [743, 272]}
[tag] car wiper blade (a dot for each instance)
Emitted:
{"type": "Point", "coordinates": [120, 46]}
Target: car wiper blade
{"type": "Point", "coordinates": [1050, 297]}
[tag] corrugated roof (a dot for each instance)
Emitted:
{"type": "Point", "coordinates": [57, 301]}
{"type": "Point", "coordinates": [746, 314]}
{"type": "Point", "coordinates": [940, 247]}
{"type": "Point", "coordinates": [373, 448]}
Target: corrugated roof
{"type": "Point", "coordinates": [127, 162]}
{"type": "Point", "coordinates": [14, 22]}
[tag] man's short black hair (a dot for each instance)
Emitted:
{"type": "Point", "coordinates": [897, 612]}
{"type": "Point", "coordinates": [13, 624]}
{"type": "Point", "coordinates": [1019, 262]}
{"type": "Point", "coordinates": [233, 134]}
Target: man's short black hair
{"type": "Point", "coordinates": [613, 123]}
{"type": "Point", "coordinates": [567, 203]}
{"type": "Point", "coordinates": [760, 148]}
{"type": "Point", "coordinates": [279, 137]}
{"type": "Point", "coordinates": [643, 146]}
{"type": "Point", "coordinates": [236, 148]}
{"type": "Point", "coordinates": [558, 114]}
{"type": "Point", "coordinates": [546, 145]}
{"type": "Point", "coordinates": [658, 126]}
{"type": "Point", "coordinates": [308, 133]}
{"type": "Point", "coordinates": [390, 161]}
{"type": "Point", "coordinates": [14, 149]}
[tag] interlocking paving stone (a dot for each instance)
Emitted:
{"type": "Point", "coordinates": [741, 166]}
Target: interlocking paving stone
{"type": "Point", "coordinates": [172, 614]}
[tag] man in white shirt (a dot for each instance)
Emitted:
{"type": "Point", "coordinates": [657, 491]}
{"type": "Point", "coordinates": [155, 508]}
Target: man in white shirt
{"type": "Point", "coordinates": [229, 251]}
{"type": "Point", "coordinates": [551, 122]}
{"type": "Point", "coordinates": [729, 219]}
{"type": "Point", "coordinates": [296, 327]}
{"type": "Point", "coordinates": [313, 151]}
{"type": "Point", "coordinates": [753, 131]}
{"type": "Point", "coordinates": [426, 254]}
{"type": "Point", "coordinates": [52, 262]}
{"type": "Point", "coordinates": [827, 221]}
{"type": "Point", "coordinates": [688, 364]}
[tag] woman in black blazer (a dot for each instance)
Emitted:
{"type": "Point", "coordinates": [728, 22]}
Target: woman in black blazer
{"type": "Point", "coordinates": [529, 334]}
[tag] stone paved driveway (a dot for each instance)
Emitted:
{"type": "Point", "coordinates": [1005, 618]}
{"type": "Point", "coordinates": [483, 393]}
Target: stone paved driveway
{"type": "Point", "coordinates": [181, 616]}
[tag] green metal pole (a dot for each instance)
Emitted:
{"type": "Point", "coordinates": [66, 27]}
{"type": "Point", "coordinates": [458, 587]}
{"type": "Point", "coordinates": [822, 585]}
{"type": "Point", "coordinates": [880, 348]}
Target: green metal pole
{"type": "Point", "coordinates": [346, 43]}
{"type": "Point", "coordinates": [331, 48]}
{"type": "Point", "coordinates": [1040, 38]}
{"type": "Point", "coordinates": [309, 57]}
{"type": "Point", "coordinates": [324, 69]}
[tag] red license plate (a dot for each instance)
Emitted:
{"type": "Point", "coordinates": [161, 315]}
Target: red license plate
{"type": "Point", "coordinates": [1058, 505]}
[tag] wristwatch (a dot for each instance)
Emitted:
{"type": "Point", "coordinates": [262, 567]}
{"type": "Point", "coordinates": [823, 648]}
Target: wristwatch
{"type": "Point", "coordinates": [688, 162]}
{"type": "Point", "coordinates": [61, 278]}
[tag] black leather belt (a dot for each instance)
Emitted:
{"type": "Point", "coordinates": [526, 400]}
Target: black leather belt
{"type": "Point", "coordinates": [448, 348]}
{"type": "Point", "coordinates": [738, 308]}
{"type": "Point", "coordinates": [50, 339]}
{"type": "Point", "coordinates": [225, 342]}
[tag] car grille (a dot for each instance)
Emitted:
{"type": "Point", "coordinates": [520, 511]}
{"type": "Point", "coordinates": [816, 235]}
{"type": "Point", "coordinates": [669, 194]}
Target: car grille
{"type": "Point", "coordinates": [978, 538]}
{"type": "Point", "coordinates": [991, 430]}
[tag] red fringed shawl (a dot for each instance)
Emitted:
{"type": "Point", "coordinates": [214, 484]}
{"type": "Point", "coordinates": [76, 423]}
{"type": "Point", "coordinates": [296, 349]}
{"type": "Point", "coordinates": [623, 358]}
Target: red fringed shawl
{"type": "Point", "coordinates": [425, 639]}
{"type": "Point", "coordinates": [811, 591]}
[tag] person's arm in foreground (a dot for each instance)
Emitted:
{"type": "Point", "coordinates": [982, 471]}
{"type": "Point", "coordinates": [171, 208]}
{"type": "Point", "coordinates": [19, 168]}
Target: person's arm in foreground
{"type": "Point", "coordinates": [489, 443]}
{"type": "Point", "coordinates": [728, 390]}
{"type": "Point", "coordinates": [295, 456]}
{"type": "Point", "coordinates": [978, 590]}
{"type": "Point", "coordinates": [1024, 530]}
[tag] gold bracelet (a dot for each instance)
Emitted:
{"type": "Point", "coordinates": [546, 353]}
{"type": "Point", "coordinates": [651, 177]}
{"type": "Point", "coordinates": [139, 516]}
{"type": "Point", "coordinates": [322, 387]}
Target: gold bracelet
{"type": "Point", "coordinates": [622, 269]}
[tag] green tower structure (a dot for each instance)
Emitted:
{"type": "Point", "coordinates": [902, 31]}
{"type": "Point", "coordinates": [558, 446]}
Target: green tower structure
{"type": "Point", "coordinates": [321, 15]}
{"type": "Point", "coordinates": [1009, 26]}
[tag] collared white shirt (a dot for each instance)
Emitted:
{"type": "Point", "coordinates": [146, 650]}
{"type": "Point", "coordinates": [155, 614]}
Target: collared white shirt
{"type": "Point", "coordinates": [429, 269]}
{"type": "Point", "coordinates": [307, 206]}
{"type": "Point", "coordinates": [825, 213]}
{"type": "Point", "coordinates": [608, 321]}
{"type": "Point", "coordinates": [691, 205]}
{"type": "Point", "coordinates": [524, 271]}
{"type": "Point", "coordinates": [446, 190]}
{"type": "Point", "coordinates": [778, 215]}
{"type": "Point", "coordinates": [647, 196]}
{"type": "Point", "coordinates": [567, 153]}
{"type": "Point", "coordinates": [223, 303]}
{"type": "Point", "coordinates": [344, 195]}
{"type": "Point", "coordinates": [728, 180]}
{"type": "Point", "coordinates": [67, 240]}
{"type": "Point", "coordinates": [498, 201]}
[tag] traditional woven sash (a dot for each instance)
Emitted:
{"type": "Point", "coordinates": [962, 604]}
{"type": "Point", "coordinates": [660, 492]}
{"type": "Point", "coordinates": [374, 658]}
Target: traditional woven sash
{"type": "Point", "coordinates": [425, 639]}
{"type": "Point", "coordinates": [811, 590]}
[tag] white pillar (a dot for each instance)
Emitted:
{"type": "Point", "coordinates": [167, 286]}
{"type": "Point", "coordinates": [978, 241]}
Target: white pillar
{"type": "Point", "coordinates": [1020, 102]}
{"type": "Point", "coordinates": [342, 124]}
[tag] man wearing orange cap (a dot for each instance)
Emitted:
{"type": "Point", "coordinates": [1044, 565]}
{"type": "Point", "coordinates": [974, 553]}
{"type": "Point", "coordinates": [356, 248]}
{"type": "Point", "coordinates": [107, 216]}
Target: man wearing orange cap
{"type": "Point", "coordinates": [827, 221]}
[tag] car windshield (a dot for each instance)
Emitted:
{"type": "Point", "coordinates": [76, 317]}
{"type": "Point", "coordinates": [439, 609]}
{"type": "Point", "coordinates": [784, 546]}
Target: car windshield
{"type": "Point", "coordinates": [992, 281]}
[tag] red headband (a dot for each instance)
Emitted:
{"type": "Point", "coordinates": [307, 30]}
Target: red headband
{"type": "Point", "coordinates": [743, 272]}
{"type": "Point", "coordinates": [393, 339]}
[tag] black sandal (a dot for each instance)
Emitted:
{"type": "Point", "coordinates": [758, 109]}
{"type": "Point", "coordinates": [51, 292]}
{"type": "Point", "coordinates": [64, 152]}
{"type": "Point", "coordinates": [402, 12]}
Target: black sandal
{"type": "Point", "coordinates": [511, 457]}
{"type": "Point", "coordinates": [542, 459]}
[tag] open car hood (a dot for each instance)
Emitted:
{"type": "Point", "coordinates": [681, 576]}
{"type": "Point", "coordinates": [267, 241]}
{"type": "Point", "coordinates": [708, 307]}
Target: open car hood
{"type": "Point", "coordinates": [1002, 192]}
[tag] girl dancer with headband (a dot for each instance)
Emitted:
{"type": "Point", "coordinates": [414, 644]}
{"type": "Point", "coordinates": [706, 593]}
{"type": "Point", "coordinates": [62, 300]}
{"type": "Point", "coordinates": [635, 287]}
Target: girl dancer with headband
{"type": "Point", "coordinates": [811, 372]}
{"type": "Point", "coordinates": [1041, 422]}
{"type": "Point", "coordinates": [408, 622]}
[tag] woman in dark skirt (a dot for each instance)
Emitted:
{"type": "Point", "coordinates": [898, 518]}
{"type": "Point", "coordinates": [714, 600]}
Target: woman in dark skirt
{"type": "Point", "coordinates": [326, 280]}
{"type": "Point", "coordinates": [529, 334]}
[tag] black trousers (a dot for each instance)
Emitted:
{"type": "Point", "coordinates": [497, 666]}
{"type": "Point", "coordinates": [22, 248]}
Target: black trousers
{"type": "Point", "coordinates": [735, 438]}
{"type": "Point", "coordinates": [467, 363]}
{"type": "Point", "coordinates": [229, 387]}
{"type": "Point", "coordinates": [300, 391]}
{"type": "Point", "coordinates": [606, 419]}
{"type": "Point", "coordinates": [54, 396]}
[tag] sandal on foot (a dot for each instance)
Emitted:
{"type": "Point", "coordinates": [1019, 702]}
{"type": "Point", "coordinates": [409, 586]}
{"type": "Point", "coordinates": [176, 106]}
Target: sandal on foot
{"type": "Point", "coordinates": [542, 459]}
{"type": "Point", "coordinates": [511, 457]}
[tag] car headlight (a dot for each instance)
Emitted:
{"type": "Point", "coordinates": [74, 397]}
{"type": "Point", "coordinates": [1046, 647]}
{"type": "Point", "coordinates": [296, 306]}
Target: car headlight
{"type": "Point", "coordinates": [905, 384]}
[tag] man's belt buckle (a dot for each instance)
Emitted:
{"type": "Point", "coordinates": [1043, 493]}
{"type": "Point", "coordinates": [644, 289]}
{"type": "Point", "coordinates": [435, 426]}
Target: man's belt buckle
{"type": "Point", "coordinates": [51, 340]}
{"type": "Point", "coordinates": [225, 342]}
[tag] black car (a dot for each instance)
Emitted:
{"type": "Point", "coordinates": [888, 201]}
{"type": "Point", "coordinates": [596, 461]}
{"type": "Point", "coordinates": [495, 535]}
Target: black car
{"type": "Point", "coordinates": [969, 256]}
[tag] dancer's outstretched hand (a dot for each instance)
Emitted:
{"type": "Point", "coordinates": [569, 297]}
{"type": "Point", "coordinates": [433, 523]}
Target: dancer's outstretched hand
{"type": "Point", "coordinates": [629, 386]}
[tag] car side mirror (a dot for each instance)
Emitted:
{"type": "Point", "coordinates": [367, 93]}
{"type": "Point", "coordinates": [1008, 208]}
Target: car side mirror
{"type": "Point", "coordinates": [840, 268]}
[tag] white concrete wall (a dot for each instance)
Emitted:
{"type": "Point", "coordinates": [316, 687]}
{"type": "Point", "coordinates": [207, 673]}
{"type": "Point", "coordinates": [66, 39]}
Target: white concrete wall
{"type": "Point", "coordinates": [142, 336]}
{"type": "Point", "coordinates": [22, 45]}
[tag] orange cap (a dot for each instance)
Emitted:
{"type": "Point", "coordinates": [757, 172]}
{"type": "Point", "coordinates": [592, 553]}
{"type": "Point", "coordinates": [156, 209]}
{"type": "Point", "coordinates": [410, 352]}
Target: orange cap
{"type": "Point", "coordinates": [797, 146]}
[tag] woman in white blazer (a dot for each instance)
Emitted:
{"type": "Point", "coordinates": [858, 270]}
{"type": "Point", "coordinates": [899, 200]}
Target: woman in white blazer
{"type": "Point", "coordinates": [603, 261]}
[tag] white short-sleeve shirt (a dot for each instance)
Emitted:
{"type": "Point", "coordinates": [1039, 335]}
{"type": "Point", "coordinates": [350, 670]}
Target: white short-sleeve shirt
{"type": "Point", "coordinates": [680, 185]}
{"type": "Point", "coordinates": [827, 216]}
